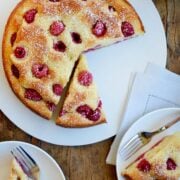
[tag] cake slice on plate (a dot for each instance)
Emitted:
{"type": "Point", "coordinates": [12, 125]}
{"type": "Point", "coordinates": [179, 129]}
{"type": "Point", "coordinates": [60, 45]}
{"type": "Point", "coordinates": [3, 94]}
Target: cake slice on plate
{"type": "Point", "coordinates": [82, 106]}
{"type": "Point", "coordinates": [17, 172]}
{"type": "Point", "coordinates": [162, 161]}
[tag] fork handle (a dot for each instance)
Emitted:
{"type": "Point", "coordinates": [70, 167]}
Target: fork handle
{"type": "Point", "coordinates": [163, 128]}
{"type": "Point", "coordinates": [172, 123]}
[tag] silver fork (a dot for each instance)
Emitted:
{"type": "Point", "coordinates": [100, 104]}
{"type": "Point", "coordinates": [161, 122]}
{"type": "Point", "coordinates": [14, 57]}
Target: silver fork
{"type": "Point", "coordinates": [141, 139]}
{"type": "Point", "coordinates": [27, 163]}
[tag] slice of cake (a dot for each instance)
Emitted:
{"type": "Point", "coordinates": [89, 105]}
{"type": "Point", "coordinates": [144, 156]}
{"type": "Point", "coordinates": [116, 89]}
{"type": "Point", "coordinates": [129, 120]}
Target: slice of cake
{"type": "Point", "coordinates": [17, 172]}
{"type": "Point", "coordinates": [82, 106]}
{"type": "Point", "coordinates": [162, 161]}
{"type": "Point", "coordinates": [44, 38]}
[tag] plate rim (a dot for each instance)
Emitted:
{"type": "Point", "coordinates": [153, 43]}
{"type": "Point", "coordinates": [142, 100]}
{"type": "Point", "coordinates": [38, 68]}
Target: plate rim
{"type": "Point", "coordinates": [161, 110]}
{"type": "Point", "coordinates": [38, 149]}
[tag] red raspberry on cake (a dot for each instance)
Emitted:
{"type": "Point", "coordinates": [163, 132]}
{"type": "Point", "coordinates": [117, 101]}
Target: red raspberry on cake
{"type": "Point", "coordinates": [56, 28]}
{"type": "Point", "coordinates": [29, 15]}
{"type": "Point", "coordinates": [82, 106]}
{"type": "Point", "coordinates": [160, 162]}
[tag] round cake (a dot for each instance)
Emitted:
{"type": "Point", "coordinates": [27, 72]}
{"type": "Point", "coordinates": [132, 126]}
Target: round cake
{"type": "Point", "coordinates": [44, 38]}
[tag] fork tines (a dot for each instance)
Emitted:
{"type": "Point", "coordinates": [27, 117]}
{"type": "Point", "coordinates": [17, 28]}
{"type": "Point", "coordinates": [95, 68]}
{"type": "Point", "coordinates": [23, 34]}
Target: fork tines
{"type": "Point", "coordinates": [130, 147]}
{"type": "Point", "coordinates": [26, 162]}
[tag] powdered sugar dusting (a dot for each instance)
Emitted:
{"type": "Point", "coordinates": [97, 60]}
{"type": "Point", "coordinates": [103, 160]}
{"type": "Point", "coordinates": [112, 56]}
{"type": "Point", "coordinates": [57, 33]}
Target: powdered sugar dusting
{"type": "Point", "coordinates": [74, 102]}
{"type": "Point", "coordinates": [159, 169]}
{"type": "Point", "coordinates": [63, 7]}
{"type": "Point", "coordinates": [36, 38]}
{"type": "Point", "coordinates": [91, 15]}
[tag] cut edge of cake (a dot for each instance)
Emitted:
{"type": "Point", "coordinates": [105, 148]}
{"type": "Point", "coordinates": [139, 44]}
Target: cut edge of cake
{"type": "Point", "coordinates": [82, 106]}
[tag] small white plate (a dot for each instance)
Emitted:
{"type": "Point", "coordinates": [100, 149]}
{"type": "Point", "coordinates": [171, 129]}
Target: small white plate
{"type": "Point", "coordinates": [111, 66]}
{"type": "Point", "coordinates": [49, 168]}
{"type": "Point", "coordinates": [149, 122]}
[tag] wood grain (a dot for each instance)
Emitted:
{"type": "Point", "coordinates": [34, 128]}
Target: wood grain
{"type": "Point", "coordinates": [88, 162]}
{"type": "Point", "coordinates": [170, 14]}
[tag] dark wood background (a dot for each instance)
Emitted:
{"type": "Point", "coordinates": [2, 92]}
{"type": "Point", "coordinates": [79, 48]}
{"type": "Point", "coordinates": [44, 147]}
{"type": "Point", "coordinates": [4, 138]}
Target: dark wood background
{"type": "Point", "coordinates": [88, 162]}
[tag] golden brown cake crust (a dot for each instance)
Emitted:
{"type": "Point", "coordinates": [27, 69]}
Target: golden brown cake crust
{"type": "Point", "coordinates": [37, 41]}
{"type": "Point", "coordinates": [76, 121]}
{"type": "Point", "coordinates": [161, 162]}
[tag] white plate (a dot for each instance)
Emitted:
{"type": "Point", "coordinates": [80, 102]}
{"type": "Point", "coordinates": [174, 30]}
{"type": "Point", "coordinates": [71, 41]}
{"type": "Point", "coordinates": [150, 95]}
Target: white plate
{"type": "Point", "coordinates": [49, 168]}
{"type": "Point", "coordinates": [111, 66]}
{"type": "Point", "coordinates": [148, 122]}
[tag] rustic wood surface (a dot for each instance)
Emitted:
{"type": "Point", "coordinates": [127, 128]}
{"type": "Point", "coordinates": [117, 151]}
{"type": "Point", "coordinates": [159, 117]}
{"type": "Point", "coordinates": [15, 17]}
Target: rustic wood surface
{"type": "Point", "coordinates": [88, 162]}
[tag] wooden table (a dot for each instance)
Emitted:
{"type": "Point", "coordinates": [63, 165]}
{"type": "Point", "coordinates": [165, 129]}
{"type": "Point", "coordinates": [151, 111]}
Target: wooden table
{"type": "Point", "coordinates": [88, 162]}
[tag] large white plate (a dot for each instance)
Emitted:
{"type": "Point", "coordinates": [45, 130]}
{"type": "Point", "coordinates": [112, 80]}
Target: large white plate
{"type": "Point", "coordinates": [149, 122]}
{"type": "Point", "coordinates": [111, 66]}
{"type": "Point", "coordinates": [48, 167]}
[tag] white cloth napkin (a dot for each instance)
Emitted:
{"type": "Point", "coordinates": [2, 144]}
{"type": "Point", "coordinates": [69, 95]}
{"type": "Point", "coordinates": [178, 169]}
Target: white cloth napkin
{"type": "Point", "coordinates": [154, 89]}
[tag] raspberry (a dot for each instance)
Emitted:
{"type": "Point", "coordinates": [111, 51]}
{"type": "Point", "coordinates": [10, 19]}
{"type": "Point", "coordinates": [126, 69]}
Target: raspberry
{"type": "Point", "coordinates": [32, 94]}
{"type": "Point", "coordinates": [40, 70]}
{"type": "Point", "coordinates": [100, 104]}
{"type": "Point", "coordinates": [171, 165]}
{"type": "Point", "coordinates": [84, 110]}
{"type": "Point", "coordinates": [59, 46]}
{"type": "Point", "coordinates": [111, 9]}
{"type": "Point", "coordinates": [85, 78]}
{"type": "Point", "coordinates": [20, 52]}
{"type": "Point", "coordinates": [57, 89]}
{"type": "Point", "coordinates": [94, 115]}
{"type": "Point", "coordinates": [76, 38]}
{"type": "Point", "coordinates": [56, 28]}
{"type": "Point", "coordinates": [51, 106]}
{"type": "Point", "coordinates": [29, 16]}
{"type": "Point", "coordinates": [87, 112]}
{"type": "Point", "coordinates": [62, 113]}
{"type": "Point", "coordinates": [13, 38]}
{"type": "Point", "coordinates": [144, 165]}
{"type": "Point", "coordinates": [99, 29]}
{"type": "Point", "coordinates": [127, 29]}
{"type": "Point", "coordinates": [15, 71]}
